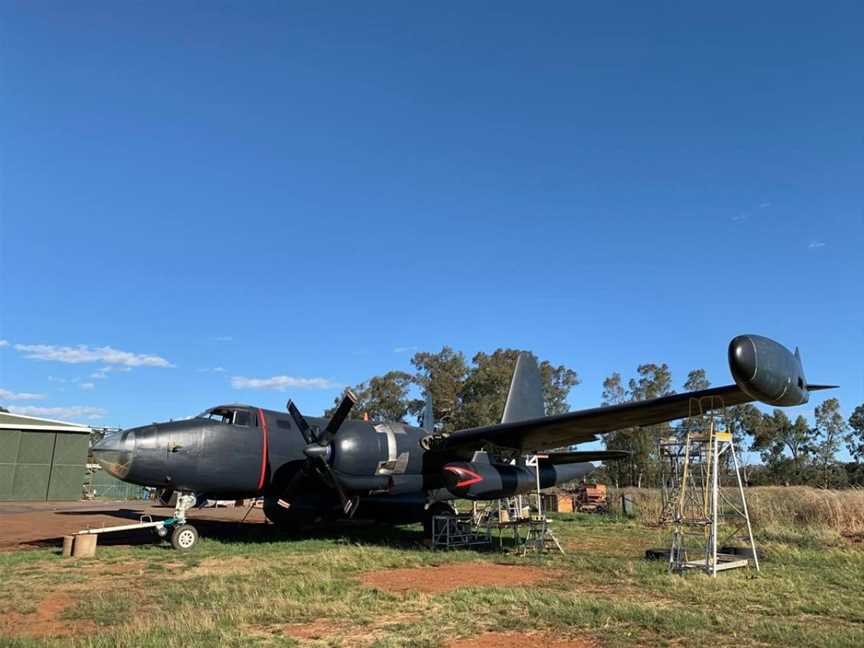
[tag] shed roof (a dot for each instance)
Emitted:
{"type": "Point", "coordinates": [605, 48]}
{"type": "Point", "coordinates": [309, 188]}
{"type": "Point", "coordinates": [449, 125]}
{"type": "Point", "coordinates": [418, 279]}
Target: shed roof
{"type": "Point", "coordinates": [12, 421]}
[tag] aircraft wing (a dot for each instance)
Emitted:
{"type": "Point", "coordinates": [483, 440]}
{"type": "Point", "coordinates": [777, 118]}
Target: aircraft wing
{"type": "Point", "coordinates": [549, 432]}
{"type": "Point", "coordinates": [555, 458]}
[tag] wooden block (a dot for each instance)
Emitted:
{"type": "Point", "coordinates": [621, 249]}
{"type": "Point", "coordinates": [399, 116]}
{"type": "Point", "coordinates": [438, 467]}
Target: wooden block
{"type": "Point", "coordinates": [84, 546]}
{"type": "Point", "coordinates": [67, 545]}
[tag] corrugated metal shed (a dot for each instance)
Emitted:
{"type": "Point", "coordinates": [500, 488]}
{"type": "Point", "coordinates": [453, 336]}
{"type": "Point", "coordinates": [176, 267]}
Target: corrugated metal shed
{"type": "Point", "coordinates": [41, 459]}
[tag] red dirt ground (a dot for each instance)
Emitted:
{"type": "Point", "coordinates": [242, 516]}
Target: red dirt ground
{"type": "Point", "coordinates": [41, 523]}
{"type": "Point", "coordinates": [45, 622]}
{"type": "Point", "coordinates": [449, 577]}
{"type": "Point", "coordinates": [519, 640]}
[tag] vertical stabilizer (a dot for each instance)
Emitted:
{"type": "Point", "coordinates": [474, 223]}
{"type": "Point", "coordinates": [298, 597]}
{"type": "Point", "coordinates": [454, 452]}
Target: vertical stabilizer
{"type": "Point", "coordinates": [428, 416]}
{"type": "Point", "coordinates": [525, 399]}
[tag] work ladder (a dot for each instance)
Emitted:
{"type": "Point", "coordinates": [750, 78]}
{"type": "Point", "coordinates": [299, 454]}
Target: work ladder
{"type": "Point", "coordinates": [709, 521]}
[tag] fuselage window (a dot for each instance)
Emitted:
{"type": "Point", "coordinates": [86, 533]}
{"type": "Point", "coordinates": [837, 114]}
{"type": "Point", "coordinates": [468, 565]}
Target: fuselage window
{"type": "Point", "coordinates": [241, 417]}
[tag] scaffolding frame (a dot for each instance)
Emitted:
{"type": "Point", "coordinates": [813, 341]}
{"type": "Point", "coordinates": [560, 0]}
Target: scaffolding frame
{"type": "Point", "coordinates": [694, 501]}
{"type": "Point", "coordinates": [458, 531]}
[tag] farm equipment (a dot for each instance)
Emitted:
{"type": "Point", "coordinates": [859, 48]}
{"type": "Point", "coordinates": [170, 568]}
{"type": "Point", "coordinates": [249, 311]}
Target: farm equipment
{"type": "Point", "coordinates": [591, 498]}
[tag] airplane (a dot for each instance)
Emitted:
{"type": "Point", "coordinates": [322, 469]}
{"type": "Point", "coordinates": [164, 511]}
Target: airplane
{"type": "Point", "coordinates": [312, 468]}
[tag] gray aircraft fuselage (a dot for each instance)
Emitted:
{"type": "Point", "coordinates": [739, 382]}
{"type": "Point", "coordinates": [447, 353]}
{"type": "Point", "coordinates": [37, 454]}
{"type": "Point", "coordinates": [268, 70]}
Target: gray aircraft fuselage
{"type": "Point", "coordinates": [384, 464]}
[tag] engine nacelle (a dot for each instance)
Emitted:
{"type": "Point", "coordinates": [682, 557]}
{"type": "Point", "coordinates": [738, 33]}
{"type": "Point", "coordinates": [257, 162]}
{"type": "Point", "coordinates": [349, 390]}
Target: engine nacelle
{"type": "Point", "coordinates": [486, 481]}
{"type": "Point", "coordinates": [767, 371]}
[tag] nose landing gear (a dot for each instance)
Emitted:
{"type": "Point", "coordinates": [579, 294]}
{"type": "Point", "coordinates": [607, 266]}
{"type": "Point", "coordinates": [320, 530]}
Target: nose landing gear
{"type": "Point", "coordinates": [183, 536]}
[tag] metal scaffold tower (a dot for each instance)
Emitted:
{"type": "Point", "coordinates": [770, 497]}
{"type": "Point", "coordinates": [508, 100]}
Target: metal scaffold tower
{"type": "Point", "coordinates": [709, 519]}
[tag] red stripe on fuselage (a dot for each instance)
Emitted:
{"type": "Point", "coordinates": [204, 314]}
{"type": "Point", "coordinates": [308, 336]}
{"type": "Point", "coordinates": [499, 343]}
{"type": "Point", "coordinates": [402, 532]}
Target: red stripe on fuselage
{"type": "Point", "coordinates": [265, 441]}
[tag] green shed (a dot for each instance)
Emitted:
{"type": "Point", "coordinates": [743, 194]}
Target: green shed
{"type": "Point", "coordinates": [41, 459]}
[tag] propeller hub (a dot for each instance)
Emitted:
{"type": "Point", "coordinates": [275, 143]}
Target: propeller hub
{"type": "Point", "coordinates": [315, 451]}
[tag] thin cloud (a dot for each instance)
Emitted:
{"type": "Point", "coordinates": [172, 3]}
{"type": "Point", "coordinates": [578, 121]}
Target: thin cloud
{"type": "Point", "coordinates": [404, 349]}
{"type": "Point", "coordinates": [87, 386]}
{"type": "Point", "coordinates": [64, 380]}
{"type": "Point", "coordinates": [222, 338]}
{"type": "Point", "coordinates": [72, 412]}
{"type": "Point", "coordinates": [4, 343]}
{"type": "Point", "coordinates": [281, 383]}
{"type": "Point", "coordinates": [102, 373]}
{"type": "Point", "coordinates": [212, 370]}
{"type": "Point", "coordinates": [816, 244]}
{"type": "Point", "coordinates": [83, 353]}
{"type": "Point", "coordinates": [5, 394]}
{"type": "Point", "coordinates": [745, 214]}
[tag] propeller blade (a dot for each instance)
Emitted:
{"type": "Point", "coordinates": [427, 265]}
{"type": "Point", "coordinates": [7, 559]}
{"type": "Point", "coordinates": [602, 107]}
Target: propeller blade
{"type": "Point", "coordinates": [339, 416]}
{"type": "Point", "coordinates": [326, 472]}
{"type": "Point", "coordinates": [288, 494]}
{"type": "Point", "coordinates": [317, 450]}
{"type": "Point", "coordinates": [301, 423]}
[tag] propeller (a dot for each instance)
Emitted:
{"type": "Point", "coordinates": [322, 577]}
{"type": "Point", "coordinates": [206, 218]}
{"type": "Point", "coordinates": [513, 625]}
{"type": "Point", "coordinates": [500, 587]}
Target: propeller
{"type": "Point", "coordinates": [319, 447]}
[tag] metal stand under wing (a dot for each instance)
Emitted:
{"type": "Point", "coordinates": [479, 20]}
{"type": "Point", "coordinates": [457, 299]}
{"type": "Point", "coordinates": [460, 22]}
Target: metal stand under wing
{"type": "Point", "coordinates": [709, 522]}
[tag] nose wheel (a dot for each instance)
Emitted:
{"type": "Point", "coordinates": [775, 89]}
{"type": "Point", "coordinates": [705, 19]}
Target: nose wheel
{"type": "Point", "coordinates": [184, 537]}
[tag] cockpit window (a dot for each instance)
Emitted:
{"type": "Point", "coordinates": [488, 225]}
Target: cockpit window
{"type": "Point", "coordinates": [219, 415]}
{"type": "Point", "coordinates": [228, 415]}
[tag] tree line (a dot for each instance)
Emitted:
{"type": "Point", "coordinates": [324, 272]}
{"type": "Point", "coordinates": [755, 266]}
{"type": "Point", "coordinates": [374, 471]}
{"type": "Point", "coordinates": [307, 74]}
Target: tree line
{"type": "Point", "coordinates": [464, 394]}
{"type": "Point", "coordinates": [472, 394]}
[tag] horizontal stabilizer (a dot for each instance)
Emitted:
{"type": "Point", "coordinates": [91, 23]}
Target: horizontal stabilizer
{"type": "Point", "coordinates": [587, 455]}
{"type": "Point", "coordinates": [820, 387]}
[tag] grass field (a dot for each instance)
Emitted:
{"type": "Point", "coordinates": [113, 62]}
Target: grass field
{"type": "Point", "coordinates": [838, 511]}
{"type": "Point", "coordinates": [266, 590]}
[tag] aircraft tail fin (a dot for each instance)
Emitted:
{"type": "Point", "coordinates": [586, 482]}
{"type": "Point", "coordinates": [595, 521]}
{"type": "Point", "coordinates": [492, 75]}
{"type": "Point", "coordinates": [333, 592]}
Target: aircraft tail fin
{"type": "Point", "coordinates": [428, 415]}
{"type": "Point", "coordinates": [525, 399]}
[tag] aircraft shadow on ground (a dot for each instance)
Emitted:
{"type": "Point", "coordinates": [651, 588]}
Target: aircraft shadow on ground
{"type": "Point", "coordinates": [235, 531]}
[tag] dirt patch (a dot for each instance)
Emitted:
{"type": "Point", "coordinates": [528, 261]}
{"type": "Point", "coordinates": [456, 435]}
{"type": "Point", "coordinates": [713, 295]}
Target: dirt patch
{"type": "Point", "coordinates": [520, 640]}
{"type": "Point", "coordinates": [445, 578]}
{"type": "Point", "coordinates": [215, 567]}
{"type": "Point", "coordinates": [35, 524]}
{"type": "Point", "coordinates": [317, 629]}
{"type": "Point", "coordinates": [46, 621]}
{"type": "Point", "coordinates": [348, 635]}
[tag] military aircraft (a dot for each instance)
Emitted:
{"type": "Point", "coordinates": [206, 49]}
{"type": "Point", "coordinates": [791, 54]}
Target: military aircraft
{"type": "Point", "coordinates": [310, 468]}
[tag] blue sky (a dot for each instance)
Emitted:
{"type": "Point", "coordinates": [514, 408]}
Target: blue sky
{"type": "Point", "coordinates": [205, 193]}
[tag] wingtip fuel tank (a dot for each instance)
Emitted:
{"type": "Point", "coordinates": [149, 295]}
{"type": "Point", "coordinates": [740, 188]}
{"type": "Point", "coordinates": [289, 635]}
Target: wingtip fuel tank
{"type": "Point", "coordinates": [767, 371]}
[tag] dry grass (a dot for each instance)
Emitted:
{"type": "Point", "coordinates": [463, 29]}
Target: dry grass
{"type": "Point", "coordinates": [270, 591]}
{"type": "Point", "coordinates": [841, 511]}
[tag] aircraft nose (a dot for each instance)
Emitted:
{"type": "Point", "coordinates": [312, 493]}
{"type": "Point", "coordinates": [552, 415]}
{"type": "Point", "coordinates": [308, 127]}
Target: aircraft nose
{"type": "Point", "coordinates": [114, 452]}
{"type": "Point", "coordinates": [742, 357]}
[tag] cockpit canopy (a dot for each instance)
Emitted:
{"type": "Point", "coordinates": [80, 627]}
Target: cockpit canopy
{"type": "Point", "coordinates": [231, 414]}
